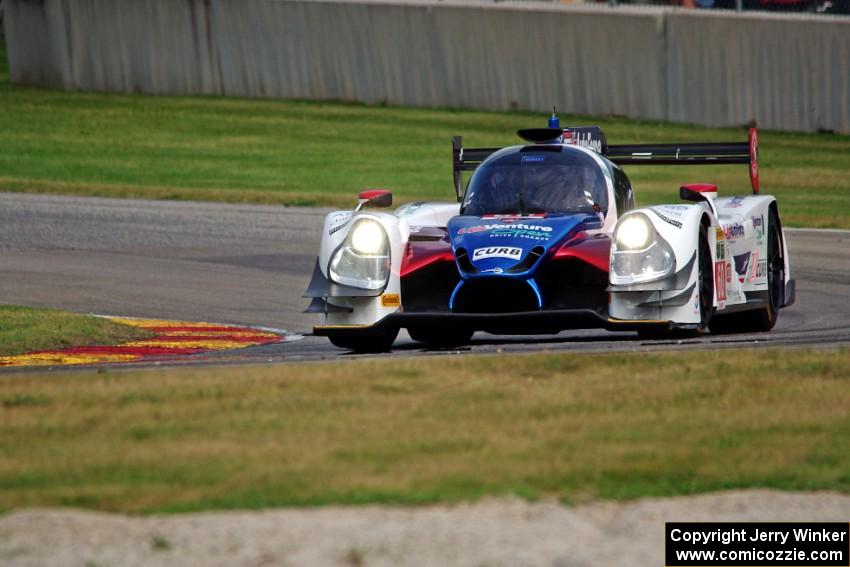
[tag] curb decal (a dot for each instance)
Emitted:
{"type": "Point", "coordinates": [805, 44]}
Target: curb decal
{"type": "Point", "coordinates": [171, 338]}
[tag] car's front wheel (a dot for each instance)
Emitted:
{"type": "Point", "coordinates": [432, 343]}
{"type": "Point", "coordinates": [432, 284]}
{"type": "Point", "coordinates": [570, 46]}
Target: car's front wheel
{"type": "Point", "coordinates": [705, 280]}
{"type": "Point", "coordinates": [705, 292]}
{"type": "Point", "coordinates": [440, 338]}
{"type": "Point", "coordinates": [367, 342]}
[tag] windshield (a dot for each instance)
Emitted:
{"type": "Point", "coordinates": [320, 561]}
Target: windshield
{"type": "Point", "coordinates": [528, 182]}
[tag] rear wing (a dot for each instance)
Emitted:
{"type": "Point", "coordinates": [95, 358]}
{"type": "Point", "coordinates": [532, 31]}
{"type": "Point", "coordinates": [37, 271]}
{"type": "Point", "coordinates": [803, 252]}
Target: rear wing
{"type": "Point", "coordinates": [467, 159]}
{"type": "Point", "coordinates": [723, 153]}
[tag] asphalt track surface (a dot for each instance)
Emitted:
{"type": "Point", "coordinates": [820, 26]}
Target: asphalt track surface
{"type": "Point", "coordinates": [248, 264]}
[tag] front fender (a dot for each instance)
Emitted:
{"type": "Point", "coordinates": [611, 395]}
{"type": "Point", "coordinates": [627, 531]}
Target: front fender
{"type": "Point", "coordinates": [678, 225]}
{"type": "Point", "coordinates": [671, 298]}
{"type": "Point", "coordinates": [346, 306]}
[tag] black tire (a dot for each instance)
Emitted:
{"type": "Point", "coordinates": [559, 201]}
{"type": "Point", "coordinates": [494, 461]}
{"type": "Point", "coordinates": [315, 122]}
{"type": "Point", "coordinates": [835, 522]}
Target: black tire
{"type": "Point", "coordinates": [764, 318]}
{"type": "Point", "coordinates": [440, 338]}
{"type": "Point", "coordinates": [372, 342]}
{"type": "Point", "coordinates": [705, 281]}
{"type": "Point", "coordinates": [655, 334]}
{"type": "Point", "coordinates": [705, 287]}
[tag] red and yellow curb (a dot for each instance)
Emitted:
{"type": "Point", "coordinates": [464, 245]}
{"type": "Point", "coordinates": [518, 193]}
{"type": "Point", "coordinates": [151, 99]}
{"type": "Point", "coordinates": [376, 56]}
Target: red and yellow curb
{"type": "Point", "coordinates": [171, 338]}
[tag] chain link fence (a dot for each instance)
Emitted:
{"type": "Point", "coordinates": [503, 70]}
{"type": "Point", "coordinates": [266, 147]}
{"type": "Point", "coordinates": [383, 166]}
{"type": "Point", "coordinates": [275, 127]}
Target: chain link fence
{"type": "Point", "coordinates": [834, 7]}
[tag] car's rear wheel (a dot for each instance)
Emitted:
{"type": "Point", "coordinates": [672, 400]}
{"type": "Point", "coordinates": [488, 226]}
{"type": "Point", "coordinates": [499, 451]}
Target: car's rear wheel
{"type": "Point", "coordinates": [372, 342]}
{"type": "Point", "coordinates": [440, 338]}
{"type": "Point", "coordinates": [764, 318]}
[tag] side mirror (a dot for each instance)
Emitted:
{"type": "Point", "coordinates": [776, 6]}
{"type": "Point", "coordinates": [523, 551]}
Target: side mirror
{"type": "Point", "coordinates": [375, 198]}
{"type": "Point", "coordinates": [697, 192]}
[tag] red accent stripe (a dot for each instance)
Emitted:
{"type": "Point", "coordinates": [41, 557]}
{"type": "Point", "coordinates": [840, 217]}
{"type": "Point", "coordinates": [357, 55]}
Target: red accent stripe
{"type": "Point", "coordinates": [372, 193]}
{"type": "Point", "coordinates": [420, 254]}
{"type": "Point", "coordinates": [595, 251]}
{"type": "Point", "coordinates": [701, 187]}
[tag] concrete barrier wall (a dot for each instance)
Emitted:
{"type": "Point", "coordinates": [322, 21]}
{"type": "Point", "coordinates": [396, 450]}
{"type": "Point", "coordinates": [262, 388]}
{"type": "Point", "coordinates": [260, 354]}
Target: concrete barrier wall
{"type": "Point", "coordinates": [789, 73]}
{"type": "Point", "coordinates": [716, 69]}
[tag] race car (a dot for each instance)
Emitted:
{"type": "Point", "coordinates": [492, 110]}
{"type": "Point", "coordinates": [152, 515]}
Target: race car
{"type": "Point", "coordinates": [545, 237]}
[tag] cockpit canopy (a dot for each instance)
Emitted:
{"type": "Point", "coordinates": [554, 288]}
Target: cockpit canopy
{"type": "Point", "coordinates": [537, 179]}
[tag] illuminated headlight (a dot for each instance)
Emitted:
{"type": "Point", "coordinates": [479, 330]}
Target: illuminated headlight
{"type": "Point", "coordinates": [639, 254]}
{"type": "Point", "coordinates": [363, 260]}
{"type": "Point", "coordinates": [633, 233]}
{"type": "Point", "coordinates": [367, 237]}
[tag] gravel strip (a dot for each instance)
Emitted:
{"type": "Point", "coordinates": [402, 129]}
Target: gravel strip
{"type": "Point", "coordinates": [494, 532]}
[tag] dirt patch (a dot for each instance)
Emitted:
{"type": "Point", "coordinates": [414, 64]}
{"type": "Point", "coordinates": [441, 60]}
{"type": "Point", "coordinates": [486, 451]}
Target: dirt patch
{"type": "Point", "coordinates": [489, 533]}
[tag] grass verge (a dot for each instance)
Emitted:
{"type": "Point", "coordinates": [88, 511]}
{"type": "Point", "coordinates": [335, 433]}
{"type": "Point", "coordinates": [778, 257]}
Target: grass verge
{"type": "Point", "coordinates": [322, 153]}
{"type": "Point", "coordinates": [25, 329]}
{"type": "Point", "coordinates": [575, 427]}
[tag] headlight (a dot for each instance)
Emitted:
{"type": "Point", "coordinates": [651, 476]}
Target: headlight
{"type": "Point", "coordinates": [639, 253]}
{"type": "Point", "coordinates": [633, 233]}
{"type": "Point", "coordinates": [367, 237]}
{"type": "Point", "coordinates": [363, 260]}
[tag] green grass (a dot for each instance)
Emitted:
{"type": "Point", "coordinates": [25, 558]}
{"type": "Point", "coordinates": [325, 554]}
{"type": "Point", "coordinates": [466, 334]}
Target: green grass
{"type": "Point", "coordinates": [440, 429]}
{"type": "Point", "coordinates": [322, 153]}
{"type": "Point", "coordinates": [24, 329]}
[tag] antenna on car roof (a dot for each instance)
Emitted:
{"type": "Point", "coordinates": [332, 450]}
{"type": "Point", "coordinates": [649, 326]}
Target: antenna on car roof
{"type": "Point", "coordinates": [554, 121]}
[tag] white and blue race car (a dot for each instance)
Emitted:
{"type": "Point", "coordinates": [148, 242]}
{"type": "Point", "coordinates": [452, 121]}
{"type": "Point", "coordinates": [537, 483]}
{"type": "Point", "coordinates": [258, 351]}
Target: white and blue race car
{"type": "Point", "coordinates": [544, 237]}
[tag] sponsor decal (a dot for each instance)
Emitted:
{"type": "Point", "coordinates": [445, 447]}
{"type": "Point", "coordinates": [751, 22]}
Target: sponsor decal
{"type": "Point", "coordinates": [338, 222]}
{"type": "Point", "coordinates": [758, 227]}
{"type": "Point", "coordinates": [518, 230]}
{"type": "Point", "coordinates": [734, 203]}
{"type": "Point", "coordinates": [390, 300]}
{"type": "Point", "coordinates": [337, 228]}
{"type": "Point", "coordinates": [666, 219]}
{"type": "Point", "coordinates": [733, 231]}
{"type": "Point", "coordinates": [521, 233]}
{"type": "Point", "coordinates": [510, 252]}
{"type": "Point", "coordinates": [720, 235]}
{"type": "Point", "coordinates": [760, 271]}
{"type": "Point", "coordinates": [492, 271]}
{"type": "Point", "coordinates": [589, 138]}
{"type": "Point", "coordinates": [410, 209]}
{"type": "Point", "coordinates": [532, 159]}
{"type": "Point", "coordinates": [676, 211]}
{"type": "Point", "coordinates": [742, 265]}
{"type": "Point", "coordinates": [721, 275]}
{"type": "Point", "coordinates": [742, 262]}
{"type": "Point", "coordinates": [721, 251]}
{"type": "Point", "coordinates": [514, 218]}
{"type": "Point", "coordinates": [486, 227]}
